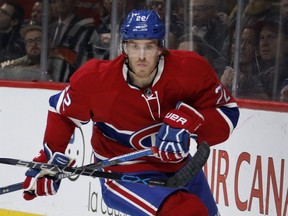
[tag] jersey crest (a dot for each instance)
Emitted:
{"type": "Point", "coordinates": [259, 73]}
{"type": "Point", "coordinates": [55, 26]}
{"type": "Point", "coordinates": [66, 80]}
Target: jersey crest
{"type": "Point", "coordinates": [145, 137]}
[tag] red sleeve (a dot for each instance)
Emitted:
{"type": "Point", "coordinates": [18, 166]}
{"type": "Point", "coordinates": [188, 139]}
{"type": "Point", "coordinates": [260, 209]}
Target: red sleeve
{"type": "Point", "coordinates": [58, 132]}
{"type": "Point", "coordinates": [217, 106]}
{"type": "Point", "coordinates": [71, 108]}
{"type": "Point", "coordinates": [212, 100]}
{"type": "Point", "coordinates": [215, 129]}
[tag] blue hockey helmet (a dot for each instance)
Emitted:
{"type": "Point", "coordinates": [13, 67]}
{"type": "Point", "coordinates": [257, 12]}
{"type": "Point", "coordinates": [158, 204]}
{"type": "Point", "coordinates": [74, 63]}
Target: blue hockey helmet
{"type": "Point", "coordinates": [143, 24]}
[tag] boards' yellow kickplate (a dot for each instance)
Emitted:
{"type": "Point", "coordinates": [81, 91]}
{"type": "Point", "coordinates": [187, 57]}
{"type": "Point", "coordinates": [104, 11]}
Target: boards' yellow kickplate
{"type": "Point", "coordinates": [16, 213]}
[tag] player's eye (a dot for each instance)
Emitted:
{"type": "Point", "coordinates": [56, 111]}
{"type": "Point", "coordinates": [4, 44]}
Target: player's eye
{"type": "Point", "coordinates": [133, 46]}
{"type": "Point", "coordinates": [149, 47]}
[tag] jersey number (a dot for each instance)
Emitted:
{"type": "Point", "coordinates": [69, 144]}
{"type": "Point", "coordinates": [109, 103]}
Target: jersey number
{"type": "Point", "coordinates": [66, 100]}
{"type": "Point", "coordinates": [223, 98]}
{"type": "Point", "coordinates": [141, 18]}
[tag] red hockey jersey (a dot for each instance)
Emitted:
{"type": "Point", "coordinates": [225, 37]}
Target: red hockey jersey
{"type": "Point", "coordinates": [127, 118]}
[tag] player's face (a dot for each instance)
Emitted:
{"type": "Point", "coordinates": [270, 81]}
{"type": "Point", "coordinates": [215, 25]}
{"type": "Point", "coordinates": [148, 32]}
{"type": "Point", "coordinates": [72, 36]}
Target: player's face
{"type": "Point", "coordinates": [143, 56]}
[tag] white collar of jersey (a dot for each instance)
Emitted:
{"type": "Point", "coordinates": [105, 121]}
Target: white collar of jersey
{"type": "Point", "coordinates": [158, 75]}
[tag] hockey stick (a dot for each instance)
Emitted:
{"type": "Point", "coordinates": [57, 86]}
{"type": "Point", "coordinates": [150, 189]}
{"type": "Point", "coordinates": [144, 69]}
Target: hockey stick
{"type": "Point", "coordinates": [99, 165]}
{"type": "Point", "coordinates": [11, 188]}
{"type": "Point", "coordinates": [177, 180]}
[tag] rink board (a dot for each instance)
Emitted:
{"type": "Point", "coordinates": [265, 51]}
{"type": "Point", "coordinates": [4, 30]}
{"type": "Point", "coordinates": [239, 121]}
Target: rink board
{"type": "Point", "coordinates": [247, 173]}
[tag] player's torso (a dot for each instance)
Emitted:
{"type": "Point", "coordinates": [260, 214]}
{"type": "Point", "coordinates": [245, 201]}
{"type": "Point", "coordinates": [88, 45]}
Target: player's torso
{"type": "Point", "coordinates": [132, 116]}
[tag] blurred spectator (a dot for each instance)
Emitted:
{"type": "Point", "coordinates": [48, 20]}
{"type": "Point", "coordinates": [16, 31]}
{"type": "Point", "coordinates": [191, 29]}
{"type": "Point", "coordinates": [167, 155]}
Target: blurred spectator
{"type": "Point", "coordinates": [253, 12]}
{"type": "Point", "coordinates": [284, 6]}
{"type": "Point", "coordinates": [71, 36]}
{"type": "Point", "coordinates": [264, 76]}
{"type": "Point", "coordinates": [195, 44]}
{"type": "Point", "coordinates": [11, 45]}
{"type": "Point", "coordinates": [228, 45]}
{"type": "Point", "coordinates": [104, 27]}
{"type": "Point", "coordinates": [28, 67]}
{"type": "Point", "coordinates": [207, 25]}
{"type": "Point", "coordinates": [176, 27]}
{"type": "Point", "coordinates": [273, 49]}
{"type": "Point", "coordinates": [37, 13]}
{"type": "Point", "coordinates": [105, 17]}
{"type": "Point", "coordinates": [53, 11]}
{"type": "Point", "coordinates": [257, 10]}
{"type": "Point", "coordinates": [248, 84]}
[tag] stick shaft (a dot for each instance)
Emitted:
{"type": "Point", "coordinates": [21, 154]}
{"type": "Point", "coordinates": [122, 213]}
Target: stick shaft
{"type": "Point", "coordinates": [80, 170]}
{"type": "Point", "coordinates": [11, 188]}
{"type": "Point", "coordinates": [179, 179]}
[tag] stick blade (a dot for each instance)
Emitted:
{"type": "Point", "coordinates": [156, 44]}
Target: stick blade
{"type": "Point", "coordinates": [191, 169]}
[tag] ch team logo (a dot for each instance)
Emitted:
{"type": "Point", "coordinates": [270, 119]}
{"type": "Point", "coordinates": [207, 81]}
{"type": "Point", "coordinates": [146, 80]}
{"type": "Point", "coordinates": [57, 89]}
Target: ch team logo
{"type": "Point", "coordinates": [145, 137]}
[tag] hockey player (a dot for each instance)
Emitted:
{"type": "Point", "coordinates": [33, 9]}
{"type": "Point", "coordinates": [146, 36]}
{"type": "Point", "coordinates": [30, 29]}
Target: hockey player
{"type": "Point", "coordinates": [146, 96]}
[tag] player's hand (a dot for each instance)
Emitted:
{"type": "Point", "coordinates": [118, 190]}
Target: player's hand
{"type": "Point", "coordinates": [173, 138]}
{"type": "Point", "coordinates": [39, 183]}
